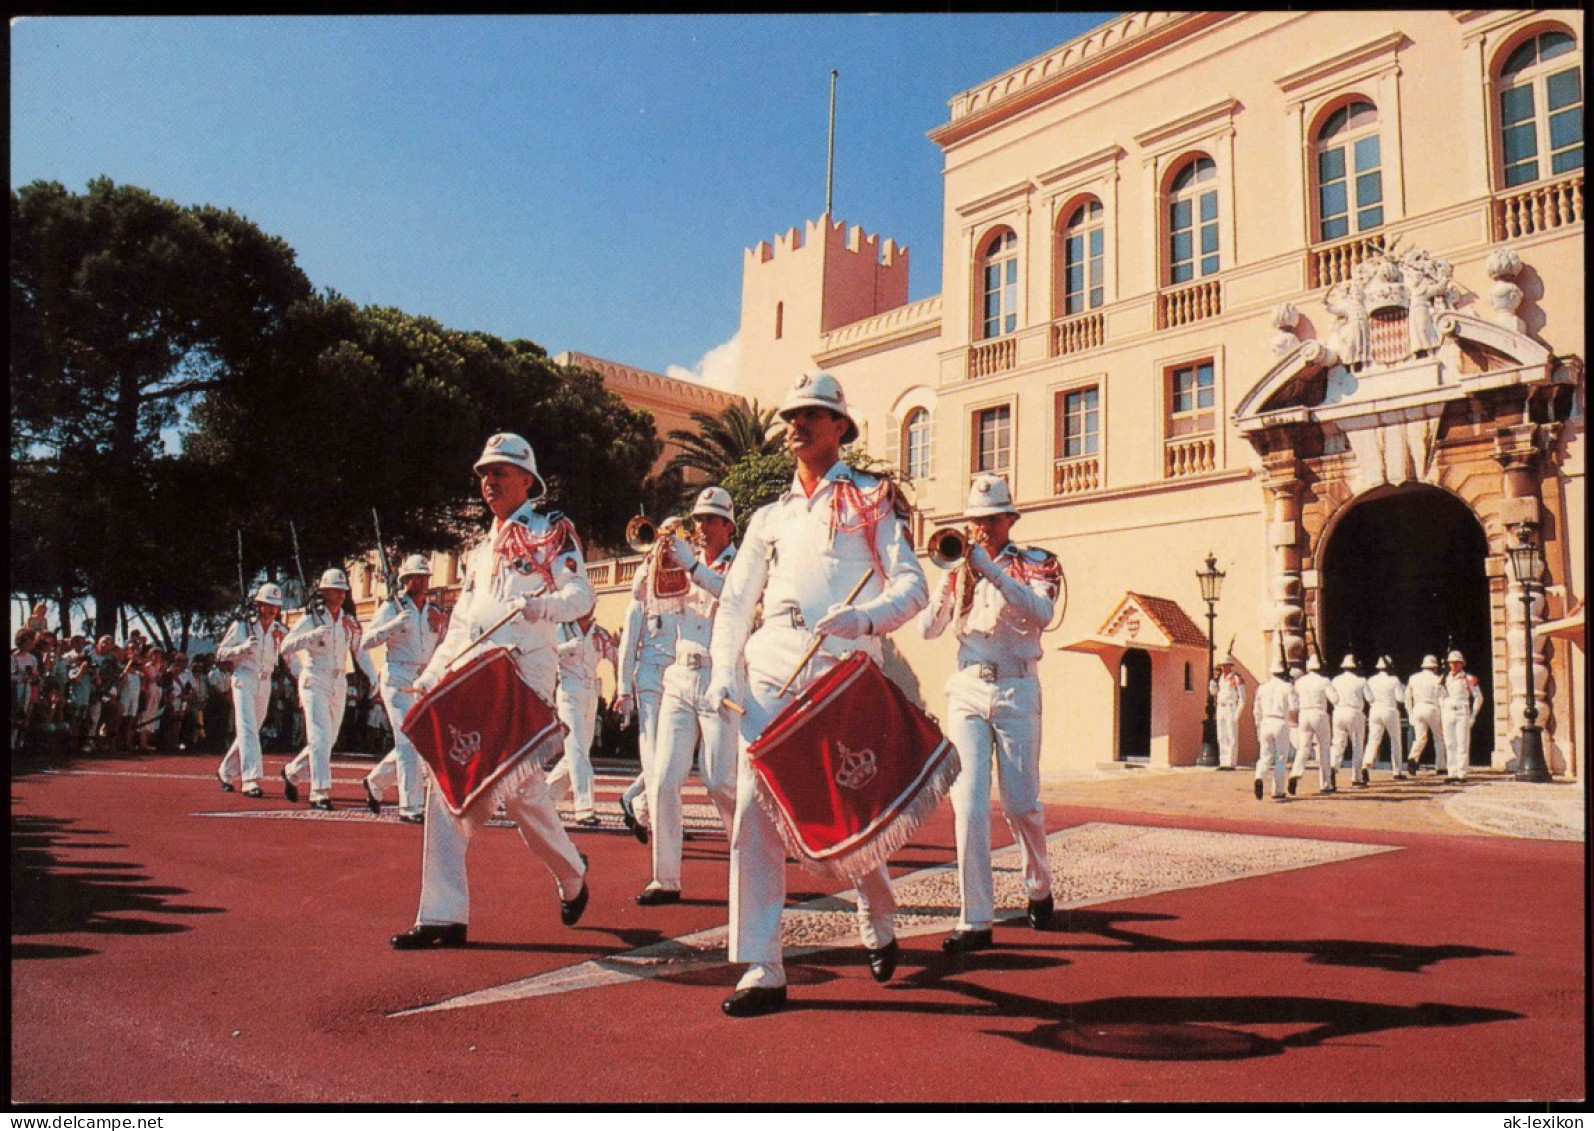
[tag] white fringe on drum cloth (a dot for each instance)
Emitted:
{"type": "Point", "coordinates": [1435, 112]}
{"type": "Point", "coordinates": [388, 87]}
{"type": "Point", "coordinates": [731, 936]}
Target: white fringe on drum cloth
{"type": "Point", "coordinates": [538, 757]}
{"type": "Point", "coordinates": [887, 839]}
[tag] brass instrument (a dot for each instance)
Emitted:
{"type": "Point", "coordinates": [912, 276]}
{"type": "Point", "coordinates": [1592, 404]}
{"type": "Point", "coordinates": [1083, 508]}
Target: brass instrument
{"type": "Point", "coordinates": [947, 547]}
{"type": "Point", "coordinates": [645, 536]}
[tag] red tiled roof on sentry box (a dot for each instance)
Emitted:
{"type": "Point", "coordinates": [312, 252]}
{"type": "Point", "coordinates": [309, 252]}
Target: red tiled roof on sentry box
{"type": "Point", "coordinates": [1172, 619]}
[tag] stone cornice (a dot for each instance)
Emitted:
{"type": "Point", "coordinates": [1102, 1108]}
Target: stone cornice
{"type": "Point", "coordinates": [1370, 58]}
{"type": "Point", "coordinates": [1195, 124]}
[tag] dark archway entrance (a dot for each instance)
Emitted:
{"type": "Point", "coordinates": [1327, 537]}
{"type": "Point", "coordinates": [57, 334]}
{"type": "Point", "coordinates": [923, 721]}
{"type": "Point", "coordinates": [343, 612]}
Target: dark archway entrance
{"type": "Point", "coordinates": [1134, 706]}
{"type": "Point", "coordinates": [1403, 575]}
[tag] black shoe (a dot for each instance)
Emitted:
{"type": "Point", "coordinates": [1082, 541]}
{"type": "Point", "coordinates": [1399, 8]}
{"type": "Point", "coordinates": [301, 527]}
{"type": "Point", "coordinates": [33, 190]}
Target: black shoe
{"type": "Point", "coordinates": [325, 805]}
{"type": "Point", "coordinates": [1226, 768]}
{"type": "Point", "coordinates": [1256, 788]}
{"type": "Point", "coordinates": [570, 909]}
{"type": "Point", "coordinates": [755, 1001]}
{"type": "Point", "coordinates": [1333, 781]}
{"type": "Point", "coordinates": [883, 961]}
{"type": "Point", "coordinates": [653, 897]}
{"type": "Point", "coordinates": [1291, 784]}
{"type": "Point", "coordinates": [372, 801]}
{"type": "Point", "coordinates": [590, 821]}
{"type": "Point", "coordinates": [1411, 766]}
{"type": "Point", "coordinates": [254, 791]}
{"type": "Point", "coordinates": [1364, 779]}
{"type": "Point", "coordinates": [1452, 781]}
{"type": "Point", "coordinates": [967, 942]}
{"type": "Point", "coordinates": [424, 936]}
{"type": "Point", "coordinates": [289, 790]}
{"type": "Point", "coordinates": [638, 829]}
{"type": "Point", "coordinates": [226, 786]}
{"type": "Point", "coordinates": [1040, 913]}
{"type": "Point", "coordinates": [412, 818]}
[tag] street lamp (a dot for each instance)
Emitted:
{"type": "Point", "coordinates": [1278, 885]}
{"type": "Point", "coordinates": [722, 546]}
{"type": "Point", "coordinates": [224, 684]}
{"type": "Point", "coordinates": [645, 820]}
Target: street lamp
{"type": "Point", "coordinates": [1527, 566]}
{"type": "Point", "coordinates": [1211, 580]}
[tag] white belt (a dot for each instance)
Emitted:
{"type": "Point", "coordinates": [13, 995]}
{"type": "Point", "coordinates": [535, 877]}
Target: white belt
{"type": "Point", "coordinates": [992, 670]}
{"type": "Point", "coordinates": [789, 617]}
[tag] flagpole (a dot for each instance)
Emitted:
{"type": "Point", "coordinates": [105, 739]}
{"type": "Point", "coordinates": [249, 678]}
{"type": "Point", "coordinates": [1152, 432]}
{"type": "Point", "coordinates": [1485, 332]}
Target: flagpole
{"type": "Point", "coordinates": [830, 158]}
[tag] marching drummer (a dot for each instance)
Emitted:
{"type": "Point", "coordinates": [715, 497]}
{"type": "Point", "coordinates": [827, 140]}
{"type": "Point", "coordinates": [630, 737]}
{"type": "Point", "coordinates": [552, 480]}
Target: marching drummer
{"type": "Point", "coordinates": [686, 719]}
{"type": "Point", "coordinates": [999, 600]}
{"type": "Point", "coordinates": [408, 627]}
{"type": "Point", "coordinates": [802, 556]}
{"type": "Point", "coordinates": [531, 564]}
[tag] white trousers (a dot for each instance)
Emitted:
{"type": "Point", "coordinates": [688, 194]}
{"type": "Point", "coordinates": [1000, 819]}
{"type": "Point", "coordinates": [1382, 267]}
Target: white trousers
{"type": "Point", "coordinates": [758, 857]}
{"type": "Point", "coordinates": [324, 702]}
{"type": "Point", "coordinates": [1382, 721]}
{"type": "Point", "coordinates": [1425, 724]}
{"type": "Point", "coordinates": [1458, 740]}
{"type": "Point", "coordinates": [1228, 737]}
{"type": "Point", "coordinates": [998, 722]}
{"type": "Point", "coordinates": [251, 697]}
{"type": "Point", "coordinates": [683, 729]}
{"type": "Point", "coordinates": [445, 887]}
{"type": "Point", "coordinates": [649, 694]}
{"type": "Point", "coordinates": [403, 762]}
{"type": "Point", "coordinates": [577, 704]}
{"type": "Point", "coordinates": [1312, 732]}
{"type": "Point", "coordinates": [1350, 728]}
{"type": "Point", "coordinates": [1273, 752]}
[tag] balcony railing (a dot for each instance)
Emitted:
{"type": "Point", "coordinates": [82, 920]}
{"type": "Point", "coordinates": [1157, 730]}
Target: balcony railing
{"type": "Point", "coordinates": [1332, 263]}
{"type": "Point", "coordinates": [995, 356]}
{"type": "Point", "coordinates": [1538, 208]}
{"type": "Point", "coordinates": [1189, 304]}
{"type": "Point", "coordinates": [1190, 456]}
{"type": "Point", "coordinates": [1076, 476]}
{"type": "Point", "coordinates": [1078, 332]}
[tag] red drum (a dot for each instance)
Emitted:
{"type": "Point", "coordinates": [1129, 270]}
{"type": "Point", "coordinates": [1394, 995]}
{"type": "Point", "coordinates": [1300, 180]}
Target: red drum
{"type": "Point", "coordinates": [850, 769]}
{"type": "Point", "coordinates": [482, 729]}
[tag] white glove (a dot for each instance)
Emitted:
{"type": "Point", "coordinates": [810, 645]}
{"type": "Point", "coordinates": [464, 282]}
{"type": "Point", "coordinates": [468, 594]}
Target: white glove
{"type": "Point", "coordinates": [531, 609]}
{"type": "Point", "coordinates": [721, 687]}
{"type": "Point", "coordinates": [844, 622]}
{"type": "Point", "coordinates": [980, 561]}
{"type": "Point", "coordinates": [681, 552]}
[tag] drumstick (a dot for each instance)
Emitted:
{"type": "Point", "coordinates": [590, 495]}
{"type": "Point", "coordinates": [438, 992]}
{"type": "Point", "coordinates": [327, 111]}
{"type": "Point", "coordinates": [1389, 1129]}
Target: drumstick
{"type": "Point", "coordinates": [820, 638]}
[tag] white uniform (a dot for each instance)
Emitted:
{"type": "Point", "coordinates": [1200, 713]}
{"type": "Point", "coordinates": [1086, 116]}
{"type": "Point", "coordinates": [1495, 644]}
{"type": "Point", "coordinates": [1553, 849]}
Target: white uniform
{"type": "Point", "coordinates": [409, 634]}
{"type": "Point", "coordinates": [1461, 701]}
{"type": "Point", "coordinates": [1275, 703]}
{"type": "Point", "coordinates": [1315, 696]}
{"type": "Point", "coordinates": [799, 566]}
{"type": "Point", "coordinates": [320, 656]}
{"type": "Point", "coordinates": [1350, 721]}
{"type": "Point", "coordinates": [1384, 695]}
{"type": "Point", "coordinates": [1229, 705]}
{"type": "Point", "coordinates": [253, 652]}
{"type": "Point", "coordinates": [688, 722]}
{"type": "Point", "coordinates": [994, 709]}
{"type": "Point", "coordinates": [647, 648]}
{"type": "Point", "coordinates": [492, 581]}
{"type": "Point", "coordinates": [1424, 690]}
{"type": "Point", "coordinates": [577, 703]}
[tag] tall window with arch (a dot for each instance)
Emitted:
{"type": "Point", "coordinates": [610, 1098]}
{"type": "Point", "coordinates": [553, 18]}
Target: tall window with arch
{"type": "Point", "coordinates": [1541, 109]}
{"type": "Point", "coordinates": [999, 284]}
{"type": "Point", "coordinates": [1084, 239]}
{"type": "Point", "coordinates": [916, 445]}
{"type": "Point", "coordinates": [1350, 186]}
{"type": "Point", "coordinates": [1193, 221]}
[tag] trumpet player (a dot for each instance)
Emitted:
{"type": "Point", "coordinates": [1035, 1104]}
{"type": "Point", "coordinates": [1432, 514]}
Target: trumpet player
{"type": "Point", "coordinates": [687, 721]}
{"type": "Point", "coordinates": [998, 600]}
{"type": "Point", "coordinates": [647, 648]}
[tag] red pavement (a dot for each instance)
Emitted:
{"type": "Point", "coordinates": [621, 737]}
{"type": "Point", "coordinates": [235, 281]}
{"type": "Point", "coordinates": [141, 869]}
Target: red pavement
{"type": "Point", "coordinates": [168, 958]}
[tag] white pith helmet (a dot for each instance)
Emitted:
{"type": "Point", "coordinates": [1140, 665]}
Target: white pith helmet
{"type": "Point", "coordinates": [507, 447]}
{"type": "Point", "coordinates": [334, 578]}
{"type": "Point", "coordinates": [988, 495]}
{"type": "Point", "coordinates": [414, 565]}
{"type": "Point", "coordinates": [715, 501]}
{"type": "Point", "coordinates": [821, 390]}
{"type": "Point", "coordinates": [269, 593]}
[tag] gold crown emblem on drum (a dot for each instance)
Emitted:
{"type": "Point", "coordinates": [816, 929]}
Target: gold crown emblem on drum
{"type": "Point", "coordinates": [466, 745]}
{"type": "Point", "coordinates": [857, 767]}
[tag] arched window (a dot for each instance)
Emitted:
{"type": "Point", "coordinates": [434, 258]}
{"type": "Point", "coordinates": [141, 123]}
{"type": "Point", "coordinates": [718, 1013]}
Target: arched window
{"type": "Point", "coordinates": [999, 285]}
{"type": "Point", "coordinates": [1193, 221]}
{"type": "Point", "coordinates": [916, 445]}
{"type": "Point", "coordinates": [1083, 246]}
{"type": "Point", "coordinates": [1541, 109]}
{"type": "Point", "coordinates": [1350, 188]}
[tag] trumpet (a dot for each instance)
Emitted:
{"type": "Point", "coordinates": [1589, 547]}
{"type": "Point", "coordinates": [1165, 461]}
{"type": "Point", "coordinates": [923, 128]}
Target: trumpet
{"type": "Point", "coordinates": [642, 534]}
{"type": "Point", "coordinates": [947, 547]}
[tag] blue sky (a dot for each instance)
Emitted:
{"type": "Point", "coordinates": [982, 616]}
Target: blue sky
{"type": "Point", "coordinates": [587, 182]}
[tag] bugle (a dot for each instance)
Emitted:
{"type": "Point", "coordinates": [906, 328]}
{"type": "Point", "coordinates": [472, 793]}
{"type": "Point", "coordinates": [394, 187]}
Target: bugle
{"type": "Point", "coordinates": [947, 547]}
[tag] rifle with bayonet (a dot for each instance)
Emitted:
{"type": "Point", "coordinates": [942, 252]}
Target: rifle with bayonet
{"type": "Point", "coordinates": [312, 598]}
{"type": "Point", "coordinates": [389, 576]}
{"type": "Point", "coordinates": [247, 611]}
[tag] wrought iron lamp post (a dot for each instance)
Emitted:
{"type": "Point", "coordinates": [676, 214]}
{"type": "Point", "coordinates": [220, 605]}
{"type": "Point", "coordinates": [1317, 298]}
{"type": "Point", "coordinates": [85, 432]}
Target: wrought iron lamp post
{"type": "Point", "coordinates": [1527, 566]}
{"type": "Point", "coordinates": [1211, 580]}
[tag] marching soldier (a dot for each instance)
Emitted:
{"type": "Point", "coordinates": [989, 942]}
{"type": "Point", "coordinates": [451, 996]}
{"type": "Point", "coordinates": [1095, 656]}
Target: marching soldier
{"type": "Point", "coordinates": [1462, 701]}
{"type": "Point", "coordinates": [581, 646]}
{"type": "Point", "coordinates": [320, 656]}
{"type": "Point", "coordinates": [530, 563]}
{"type": "Point", "coordinates": [1000, 599]}
{"type": "Point", "coordinates": [801, 556]}
{"type": "Point", "coordinates": [687, 721]}
{"type": "Point", "coordinates": [1384, 695]}
{"type": "Point", "coordinates": [1424, 690]}
{"type": "Point", "coordinates": [1350, 721]}
{"type": "Point", "coordinates": [409, 627]}
{"type": "Point", "coordinates": [1315, 696]}
{"type": "Point", "coordinates": [252, 651]}
{"type": "Point", "coordinates": [1230, 702]}
{"type": "Point", "coordinates": [1275, 704]}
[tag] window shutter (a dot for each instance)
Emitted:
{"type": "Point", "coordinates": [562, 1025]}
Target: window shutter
{"type": "Point", "coordinates": [893, 455]}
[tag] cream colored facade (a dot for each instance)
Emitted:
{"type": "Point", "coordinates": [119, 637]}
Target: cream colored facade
{"type": "Point", "coordinates": [1441, 401]}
